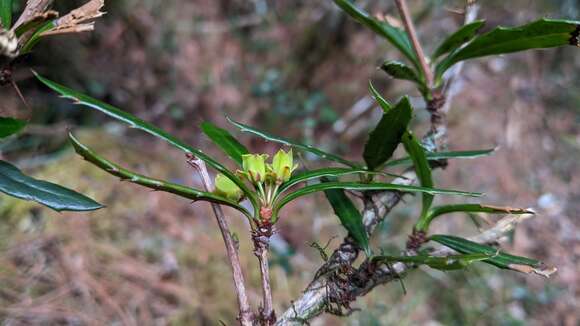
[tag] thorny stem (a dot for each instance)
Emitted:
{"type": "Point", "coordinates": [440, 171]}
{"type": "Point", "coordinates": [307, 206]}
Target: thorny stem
{"type": "Point", "coordinates": [410, 29]}
{"type": "Point", "coordinates": [261, 238]}
{"type": "Point", "coordinates": [245, 316]}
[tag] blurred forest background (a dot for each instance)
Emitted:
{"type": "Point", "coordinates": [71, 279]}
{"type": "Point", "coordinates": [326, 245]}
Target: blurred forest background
{"type": "Point", "coordinates": [301, 70]}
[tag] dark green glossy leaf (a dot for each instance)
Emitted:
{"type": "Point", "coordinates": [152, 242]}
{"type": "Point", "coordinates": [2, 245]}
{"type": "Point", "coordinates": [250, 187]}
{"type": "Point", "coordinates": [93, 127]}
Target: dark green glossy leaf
{"type": "Point", "coordinates": [349, 217]}
{"type": "Point", "coordinates": [394, 35]}
{"type": "Point", "coordinates": [458, 38]}
{"type": "Point", "coordinates": [16, 184]}
{"type": "Point", "coordinates": [6, 13]}
{"type": "Point", "coordinates": [291, 143]}
{"type": "Point", "coordinates": [156, 184]}
{"type": "Point", "coordinates": [541, 34]}
{"type": "Point", "coordinates": [435, 212]}
{"type": "Point", "coordinates": [10, 126]}
{"type": "Point", "coordinates": [422, 168]}
{"type": "Point", "coordinates": [384, 104]}
{"type": "Point", "coordinates": [221, 137]}
{"type": "Point", "coordinates": [434, 156]}
{"type": "Point", "coordinates": [386, 136]}
{"type": "Point", "coordinates": [498, 259]}
{"type": "Point", "coordinates": [367, 186]}
{"type": "Point", "coordinates": [137, 123]}
{"type": "Point", "coordinates": [453, 262]}
{"type": "Point", "coordinates": [399, 70]}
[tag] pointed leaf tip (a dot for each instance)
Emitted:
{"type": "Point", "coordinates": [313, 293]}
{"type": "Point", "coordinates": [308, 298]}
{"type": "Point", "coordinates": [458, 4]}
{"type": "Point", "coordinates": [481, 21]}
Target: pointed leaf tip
{"type": "Point", "coordinates": [14, 183]}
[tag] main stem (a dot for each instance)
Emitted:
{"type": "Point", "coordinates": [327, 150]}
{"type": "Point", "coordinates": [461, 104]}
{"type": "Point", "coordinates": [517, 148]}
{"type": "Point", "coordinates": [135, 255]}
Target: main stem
{"type": "Point", "coordinates": [261, 238]}
{"type": "Point", "coordinates": [245, 316]}
{"type": "Point", "coordinates": [410, 29]}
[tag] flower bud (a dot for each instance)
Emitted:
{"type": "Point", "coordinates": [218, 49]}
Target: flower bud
{"type": "Point", "coordinates": [254, 166]}
{"type": "Point", "coordinates": [282, 166]}
{"type": "Point", "coordinates": [227, 188]}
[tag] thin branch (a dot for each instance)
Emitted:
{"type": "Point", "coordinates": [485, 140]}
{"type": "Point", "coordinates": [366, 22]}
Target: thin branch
{"type": "Point", "coordinates": [261, 238]}
{"type": "Point", "coordinates": [410, 29]}
{"type": "Point", "coordinates": [20, 95]}
{"type": "Point", "coordinates": [441, 100]}
{"type": "Point", "coordinates": [245, 317]}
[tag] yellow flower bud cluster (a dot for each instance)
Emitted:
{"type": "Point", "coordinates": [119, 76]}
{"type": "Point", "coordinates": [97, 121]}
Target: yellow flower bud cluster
{"type": "Point", "coordinates": [266, 177]}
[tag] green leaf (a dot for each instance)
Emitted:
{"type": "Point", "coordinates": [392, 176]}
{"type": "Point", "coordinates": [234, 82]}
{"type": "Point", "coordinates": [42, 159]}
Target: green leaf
{"type": "Point", "coordinates": [36, 36]}
{"type": "Point", "coordinates": [422, 168]}
{"type": "Point", "coordinates": [399, 70]}
{"type": "Point", "coordinates": [435, 212]}
{"type": "Point", "coordinates": [395, 36]}
{"type": "Point", "coordinates": [16, 184]}
{"type": "Point", "coordinates": [156, 184]}
{"type": "Point", "coordinates": [434, 156]}
{"type": "Point", "coordinates": [349, 217]}
{"type": "Point", "coordinates": [6, 13]}
{"type": "Point", "coordinates": [221, 137]}
{"type": "Point", "coordinates": [291, 143]}
{"type": "Point", "coordinates": [367, 186]}
{"type": "Point", "coordinates": [541, 34]}
{"type": "Point", "coordinates": [137, 123]}
{"type": "Point", "coordinates": [453, 262]}
{"type": "Point", "coordinates": [304, 176]}
{"type": "Point", "coordinates": [458, 38]}
{"type": "Point", "coordinates": [499, 259]}
{"type": "Point", "coordinates": [385, 105]}
{"type": "Point", "coordinates": [308, 175]}
{"type": "Point", "coordinates": [10, 126]}
{"type": "Point", "coordinates": [386, 136]}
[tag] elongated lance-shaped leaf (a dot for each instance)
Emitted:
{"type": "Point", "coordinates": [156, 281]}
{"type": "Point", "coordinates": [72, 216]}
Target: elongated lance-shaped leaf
{"type": "Point", "coordinates": [394, 35]}
{"type": "Point", "coordinates": [423, 225]}
{"type": "Point", "coordinates": [349, 217]}
{"type": "Point", "coordinates": [384, 104]}
{"type": "Point", "coordinates": [156, 184]}
{"type": "Point", "coordinates": [6, 13]}
{"type": "Point", "coordinates": [422, 168]}
{"type": "Point", "coordinates": [291, 143]}
{"type": "Point", "coordinates": [16, 184]}
{"type": "Point", "coordinates": [137, 123]}
{"type": "Point", "coordinates": [399, 70]}
{"type": "Point", "coordinates": [386, 136]}
{"type": "Point", "coordinates": [499, 259]}
{"type": "Point", "coordinates": [458, 38]}
{"type": "Point", "coordinates": [541, 34]}
{"type": "Point", "coordinates": [221, 137]}
{"type": "Point", "coordinates": [36, 36]}
{"type": "Point", "coordinates": [304, 176]}
{"type": "Point", "coordinates": [447, 263]}
{"type": "Point", "coordinates": [10, 126]}
{"type": "Point", "coordinates": [434, 156]}
{"type": "Point", "coordinates": [366, 186]}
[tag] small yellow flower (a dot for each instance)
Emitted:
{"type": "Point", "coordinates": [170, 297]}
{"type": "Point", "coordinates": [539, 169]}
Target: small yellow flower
{"type": "Point", "coordinates": [227, 188]}
{"type": "Point", "coordinates": [282, 166]}
{"type": "Point", "coordinates": [254, 166]}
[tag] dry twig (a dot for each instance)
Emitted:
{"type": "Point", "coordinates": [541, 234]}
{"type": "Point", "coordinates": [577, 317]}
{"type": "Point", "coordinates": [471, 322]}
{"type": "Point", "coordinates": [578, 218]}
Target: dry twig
{"type": "Point", "coordinates": [245, 316]}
